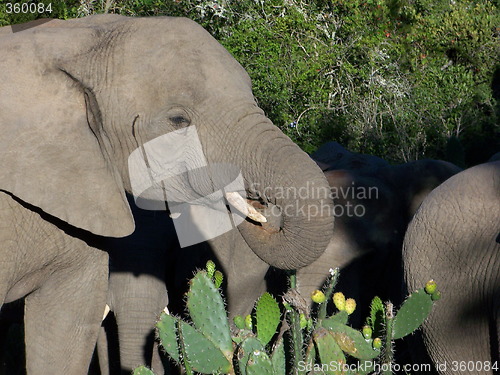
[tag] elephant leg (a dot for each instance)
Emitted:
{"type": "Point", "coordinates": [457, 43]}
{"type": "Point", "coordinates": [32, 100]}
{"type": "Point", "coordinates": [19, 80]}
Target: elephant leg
{"type": "Point", "coordinates": [136, 303]}
{"type": "Point", "coordinates": [103, 352]}
{"type": "Point", "coordinates": [157, 363]}
{"type": "Point", "coordinates": [63, 317]}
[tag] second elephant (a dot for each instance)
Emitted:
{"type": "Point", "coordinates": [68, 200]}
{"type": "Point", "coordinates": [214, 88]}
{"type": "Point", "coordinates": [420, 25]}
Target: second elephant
{"type": "Point", "coordinates": [454, 239]}
{"type": "Point", "coordinates": [374, 202]}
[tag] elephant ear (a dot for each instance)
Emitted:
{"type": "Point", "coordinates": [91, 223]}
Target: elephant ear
{"type": "Point", "coordinates": [50, 154]}
{"type": "Point", "coordinates": [415, 180]}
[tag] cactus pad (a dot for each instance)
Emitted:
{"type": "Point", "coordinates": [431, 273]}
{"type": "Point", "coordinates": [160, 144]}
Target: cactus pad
{"type": "Point", "coordinates": [218, 278]}
{"type": "Point", "coordinates": [167, 333]}
{"type": "Point", "coordinates": [310, 354]}
{"type": "Point", "coordinates": [329, 351]}
{"type": "Point", "coordinates": [202, 354]}
{"type": "Point", "coordinates": [210, 267]}
{"type": "Point", "coordinates": [268, 317]}
{"type": "Point", "coordinates": [247, 347]}
{"type": "Point", "coordinates": [412, 313]}
{"type": "Point", "coordinates": [340, 317]}
{"type": "Point", "coordinates": [377, 316]}
{"type": "Point", "coordinates": [259, 363]}
{"type": "Point", "coordinates": [239, 322]}
{"type": "Point", "coordinates": [350, 340]}
{"type": "Point", "coordinates": [207, 312]}
{"type": "Point", "coordinates": [278, 358]}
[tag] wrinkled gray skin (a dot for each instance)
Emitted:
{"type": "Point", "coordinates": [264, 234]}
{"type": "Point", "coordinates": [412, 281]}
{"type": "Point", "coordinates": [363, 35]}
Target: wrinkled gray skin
{"type": "Point", "coordinates": [454, 239]}
{"type": "Point", "coordinates": [77, 98]}
{"type": "Point", "coordinates": [367, 247]}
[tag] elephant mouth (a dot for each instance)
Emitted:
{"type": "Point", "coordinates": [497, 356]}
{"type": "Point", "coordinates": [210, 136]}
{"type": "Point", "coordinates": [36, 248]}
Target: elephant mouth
{"type": "Point", "coordinates": [245, 207]}
{"type": "Point", "coordinates": [264, 216]}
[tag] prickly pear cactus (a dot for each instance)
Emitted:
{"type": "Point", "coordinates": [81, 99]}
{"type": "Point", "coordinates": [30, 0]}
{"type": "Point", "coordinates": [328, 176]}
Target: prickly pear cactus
{"type": "Point", "coordinates": [142, 370]}
{"type": "Point", "coordinates": [376, 320]}
{"type": "Point", "coordinates": [268, 318]}
{"type": "Point", "coordinates": [207, 312]}
{"type": "Point", "coordinates": [412, 313]}
{"type": "Point", "coordinates": [246, 348]}
{"type": "Point", "coordinates": [218, 278]}
{"type": "Point", "coordinates": [430, 287]}
{"type": "Point", "coordinates": [207, 347]}
{"type": "Point", "coordinates": [210, 267]}
{"type": "Point", "coordinates": [350, 340]}
{"type": "Point", "coordinates": [249, 322]}
{"type": "Point", "coordinates": [201, 353]}
{"type": "Point", "coordinates": [259, 363]}
{"type": "Point", "coordinates": [166, 329]}
{"type": "Point", "coordinates": [329, 351]}
{"type": "Point", "coordinates": [278, 358]}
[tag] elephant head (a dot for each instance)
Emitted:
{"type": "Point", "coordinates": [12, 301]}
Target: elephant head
{"type": "Point", "coordinates": [333, 156]}
{"type": "Point", "coordinates": [416, 179]}
{"type": "Point", "coordinates": [80, 96]}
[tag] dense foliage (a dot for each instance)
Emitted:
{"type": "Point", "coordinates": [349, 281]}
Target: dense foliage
{"type": "Point", "coordinates": [401, 79]}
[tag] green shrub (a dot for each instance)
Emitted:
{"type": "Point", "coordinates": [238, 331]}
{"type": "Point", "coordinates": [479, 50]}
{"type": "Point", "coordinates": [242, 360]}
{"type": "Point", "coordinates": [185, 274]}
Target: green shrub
{"type": "Point", "coordinates": [394, 78]}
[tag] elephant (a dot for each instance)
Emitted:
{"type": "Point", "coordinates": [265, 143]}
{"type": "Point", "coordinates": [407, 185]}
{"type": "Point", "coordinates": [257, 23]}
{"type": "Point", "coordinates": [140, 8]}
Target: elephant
{"type": "Point", "coordinates": [454, 239]}
{"type": "Point", "coordinates": [105, 116]}
{"type": "Point", "coordinates": [374, 202]}
{"type": "Point", "coordinates": [332, 155]}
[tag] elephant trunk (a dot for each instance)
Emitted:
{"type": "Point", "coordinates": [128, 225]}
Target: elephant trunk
{"type": "Point", "coordinates": [294, 195]}
{"type": "Point", "coordinates": [136, 302]}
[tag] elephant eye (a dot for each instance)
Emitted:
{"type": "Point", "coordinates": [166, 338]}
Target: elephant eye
{"type": "Point", "coordinates": [179, 121]}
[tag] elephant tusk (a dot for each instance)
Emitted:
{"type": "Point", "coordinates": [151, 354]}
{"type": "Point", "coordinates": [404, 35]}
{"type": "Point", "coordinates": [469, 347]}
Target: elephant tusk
{"type": "Point", "coordinates": [175, 215]}
{"type": "Point", "coordinates": [237, 201]}
{"type": "Point", "coordinates": [106, 312]}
